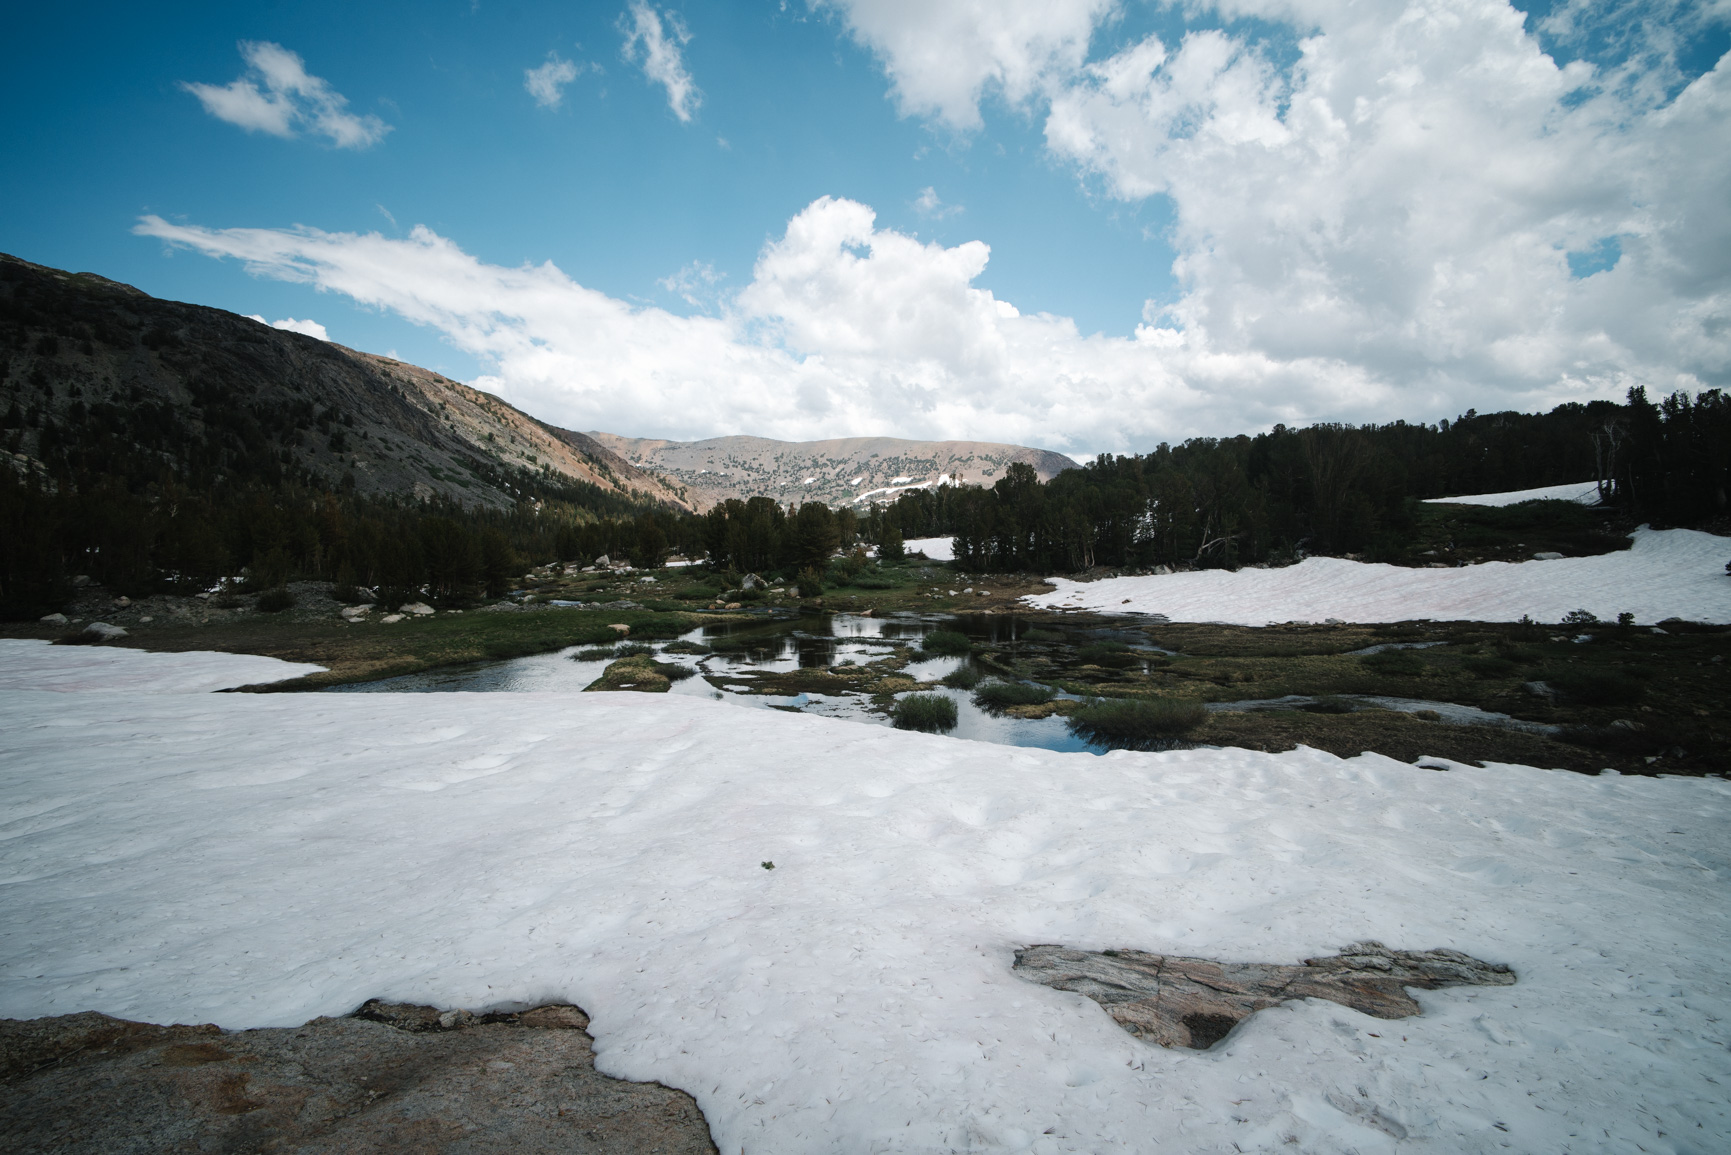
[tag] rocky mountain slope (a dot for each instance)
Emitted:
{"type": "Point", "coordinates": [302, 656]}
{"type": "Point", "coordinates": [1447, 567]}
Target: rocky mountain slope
{"type": "Point", "coordinates": [95, 364]}
{"type": "Point", "coordinates": [838, 471]}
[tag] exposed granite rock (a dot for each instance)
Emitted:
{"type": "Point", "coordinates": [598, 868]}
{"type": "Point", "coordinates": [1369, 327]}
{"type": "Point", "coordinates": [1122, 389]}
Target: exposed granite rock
{"type": "Point", "coordinates": [1194, 1002]}
{"type": "Point", "coordinates": [390, 1078]}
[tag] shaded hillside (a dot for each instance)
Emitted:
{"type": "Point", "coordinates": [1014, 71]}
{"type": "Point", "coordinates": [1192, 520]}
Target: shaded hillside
{"type": "Point", "coordinates": [109, 380]}
{"type": "Point", "coordinates": [840, 471]}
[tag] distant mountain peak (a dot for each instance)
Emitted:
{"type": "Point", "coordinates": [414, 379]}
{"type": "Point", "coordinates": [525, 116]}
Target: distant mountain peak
{"type": "Point", "coordinates": [837, 471]}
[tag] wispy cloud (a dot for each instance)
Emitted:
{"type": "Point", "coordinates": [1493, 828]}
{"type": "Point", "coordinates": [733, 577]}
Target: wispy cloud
{"type": "Point", "coordinates": [309, 326]}
{"type": "Point", "coordinates": [547, 83]}
{"type": "Point", "coordinates": [654, 40]}
{"type": "Point", "coordinates": [929, 204]}
{"type": "Point", "coordinates": [696, 284]}
{"type": "Point", "coordinates": [277, 95]}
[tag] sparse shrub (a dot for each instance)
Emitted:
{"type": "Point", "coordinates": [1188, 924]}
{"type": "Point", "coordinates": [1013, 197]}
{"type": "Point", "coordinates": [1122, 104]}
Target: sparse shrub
{"type": "Point", "coordinates": [1593, 687]}
{"type": "Point", "coordinates": [1580, 618]}
{"type": "Point", "coordinates": [1625, 619]}
{"type": "Point", "coordinates": [684, 647]}
{"type": "Point", "coordinates": [673, 671]}
{"type": "Point", "coordinates": [873, 582]}
{"type": "Point", "coordinates": [1039, 635]}
{"type": "Point", "coordinates": [1395, 663]}
{"type": "Point", "coordinates": [929, 712]}
{"type": "Point", "coordinates": [1427, 715]}
{"type": "Point", "coordinates": [1135, 723]}
{"type": "Point", "coordinates": [963, 678]}
{"type": "Point", "coordinates": [810, 585]}
{"type": "Point", "coordinates": [950, 642]}
{"type": "Point", "coordinates": [594, 654]}
{"type": "Point", "coordinates": [1621, 737]}
{"type": "Point", "coordinates": [997, 696]}
{"type": "Point", "coordinates": [749, 596]}
{"type": "Point", "coordinates": [1111, 655]}
{"type": "Point", "coordinates": [632, 650]}
{"type": "Point", "coordinates": [1491, 667]}
{"type": "Point", "coordinates": [275, 601]}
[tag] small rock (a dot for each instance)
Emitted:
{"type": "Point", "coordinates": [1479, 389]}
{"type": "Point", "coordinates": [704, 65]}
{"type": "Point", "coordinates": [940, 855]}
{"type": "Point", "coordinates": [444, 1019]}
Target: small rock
{"type": "Point", "coordinates": [105, 631]}
{"type": "Point", "coordinates": [732, 606]}
{"type": "Point", "coordinates": [146, 618]}
{"type": "Point", "coordinates": [1332, 622]}
{"type": "Point", "coordinates": [1548, 555]}
{"type": "Point", "coordinates": [603, 562]}
{"type": "Point", "coordinates": [55, 619]}
{"type": "Point", "coordinates": [122, 601]}
{"type": "Point", "coordinates": [419, 609]}
{"type": "Point", "coordinates": [390, 618]}
{"type": "Point", "coordinates": [620, 628]}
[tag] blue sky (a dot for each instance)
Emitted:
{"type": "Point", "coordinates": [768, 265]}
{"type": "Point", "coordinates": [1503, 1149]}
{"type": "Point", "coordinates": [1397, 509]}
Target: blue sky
{"type": "Point", "coordinates": [611, 186]}
{"type": "Point", "coordinates": [1199, 220]}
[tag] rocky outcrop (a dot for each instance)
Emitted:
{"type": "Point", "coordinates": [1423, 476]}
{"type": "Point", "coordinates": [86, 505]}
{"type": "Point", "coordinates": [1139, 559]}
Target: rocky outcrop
{"type": "Point", "coordinates": [390, 1078]}
{"type": "Point", "coordinates": [1194, 1002]}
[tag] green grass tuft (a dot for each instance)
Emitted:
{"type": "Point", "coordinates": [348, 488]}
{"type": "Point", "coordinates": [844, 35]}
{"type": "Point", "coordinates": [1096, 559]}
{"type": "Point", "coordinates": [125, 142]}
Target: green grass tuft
{"type": "Point", "coordinates": [996, 696]}
{"type": "Point", "coordinates": [948, 642]}
{"type": "Point", "coordinates": [963, 678]}
{"type": "Point", "coordinates": [929, 712]}
{"type": "Point", "coordinates": [1136, 722]}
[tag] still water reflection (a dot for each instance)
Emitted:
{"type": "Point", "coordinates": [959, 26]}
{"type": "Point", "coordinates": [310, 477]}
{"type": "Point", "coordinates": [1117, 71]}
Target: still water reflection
{"type": "Point", "coordinates": [779, 645]}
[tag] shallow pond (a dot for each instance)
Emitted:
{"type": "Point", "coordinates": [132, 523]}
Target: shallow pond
{"type": "Point", "coordinates": [786, 644]}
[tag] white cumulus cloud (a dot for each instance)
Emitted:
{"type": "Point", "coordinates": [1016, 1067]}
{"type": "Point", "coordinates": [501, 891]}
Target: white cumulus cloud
{"type": "Point", "coordinates": [278, 96]}
{"type": "Point", "coordinates": [844, 329]}
{"type": "Point", "coordinates": [547, 82]}
{"type": "Point", "coordinates": [944, 56]}
{"type": "Point", "coordinates": [1406, 199]}
{"type": "Point", "coordinates": [309, 326]}
{"type": "Point", "coordinates": [654, 40]}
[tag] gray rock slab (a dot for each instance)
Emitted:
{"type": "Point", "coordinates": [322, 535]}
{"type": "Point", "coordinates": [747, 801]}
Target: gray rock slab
{"type": "Point", "coordinates": [1193, 1002]}
{"type": "Point", "coordinates": [391, 1078]}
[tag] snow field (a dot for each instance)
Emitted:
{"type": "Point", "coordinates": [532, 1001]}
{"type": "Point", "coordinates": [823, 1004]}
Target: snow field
{"type": "Point", "coordinates": [935, 548]}
{"type": "Point", "coordinates": [258, 860]}
{"type": "Point", "coordinates": [1673, 573]}
{"type": "Point", "coordinates": [1585, 492]}
{"type": "Point", "coordinates": [29, 664]}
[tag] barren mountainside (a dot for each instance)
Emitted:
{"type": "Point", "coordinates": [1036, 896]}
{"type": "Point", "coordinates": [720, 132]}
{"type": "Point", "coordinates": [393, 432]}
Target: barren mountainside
{"type": "Point", "coordinates": [90, 362]}
{"type": "Point", "coordinates": [838, 471]}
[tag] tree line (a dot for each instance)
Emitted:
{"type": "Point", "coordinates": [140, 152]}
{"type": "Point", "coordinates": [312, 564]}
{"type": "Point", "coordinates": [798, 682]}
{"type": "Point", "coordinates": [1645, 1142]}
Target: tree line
{"type": "Point", "coordinates": [111, 500]}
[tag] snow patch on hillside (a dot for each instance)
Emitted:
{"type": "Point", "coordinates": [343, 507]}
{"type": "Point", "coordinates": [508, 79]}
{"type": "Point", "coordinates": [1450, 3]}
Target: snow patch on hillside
{"type": "Point", "coordinates": [259, 860]}
{"type": "Point", "coordinates": [1585, 492]}
{"type": "Point", "coordinates": [1673, 573]}
{"type": "Point", "coordinates": [935, 548]}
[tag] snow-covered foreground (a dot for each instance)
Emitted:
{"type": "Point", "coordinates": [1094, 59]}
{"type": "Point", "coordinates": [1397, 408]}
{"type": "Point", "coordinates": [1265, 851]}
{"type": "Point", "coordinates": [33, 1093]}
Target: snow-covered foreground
{"type": "Point", "coordinates": [1585, 492]}
{"type": "Point", "coordinates": [1673, 573]}
{"type": "Point", "coordinates": [258, 860]}
{"type": "Point", "coordinates": [28, 664]}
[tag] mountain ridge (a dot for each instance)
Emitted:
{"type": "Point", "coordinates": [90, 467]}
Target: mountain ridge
{"type": "Point", "coordinates": [838, 470]}
{"type": "Point", "coordinates": [88, 362]}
